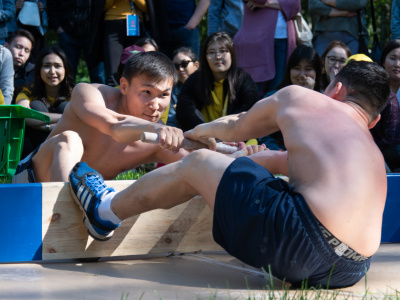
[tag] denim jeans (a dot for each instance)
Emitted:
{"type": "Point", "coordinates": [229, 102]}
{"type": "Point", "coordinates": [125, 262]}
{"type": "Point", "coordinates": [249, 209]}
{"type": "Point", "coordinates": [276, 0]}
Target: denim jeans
{"type": "Point", "coordinates": [180, 36]}
{"type": "Point", "coordinates": [73, 46]}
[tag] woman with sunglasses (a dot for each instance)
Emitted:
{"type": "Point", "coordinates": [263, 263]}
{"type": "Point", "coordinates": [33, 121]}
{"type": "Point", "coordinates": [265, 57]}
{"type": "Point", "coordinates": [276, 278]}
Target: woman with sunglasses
{"type": "Point", "coordinates": [333, 60]}
{"type": "Point", "coordinates": [218, 88]}
{"type": "Point", "coordinates": [186, 63]}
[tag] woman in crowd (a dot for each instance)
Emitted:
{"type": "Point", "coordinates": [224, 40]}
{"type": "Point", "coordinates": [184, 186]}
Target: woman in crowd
{"type": "Point", "coordinates": [49, 94]}
{"type": "Point", "coordinates": [304, 69]}
{"type": "Point", "coordinates": [219, 88]}
{"type": "Point", "coordinates": [186, 63]}
{"type": "Point", "coordinates": [148, 44]}
{"type": "Point", "coordinates": [333, 60]}
{"type": "Point", "coordinates": [387, 131]}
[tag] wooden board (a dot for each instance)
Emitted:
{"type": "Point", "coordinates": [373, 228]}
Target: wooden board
{"type": "Point", "coordinates": [184, 228]}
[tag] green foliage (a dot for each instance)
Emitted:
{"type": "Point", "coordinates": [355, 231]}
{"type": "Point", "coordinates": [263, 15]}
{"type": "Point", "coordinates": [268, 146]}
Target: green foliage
{"type": "Point", "coordinates": [4, 180]}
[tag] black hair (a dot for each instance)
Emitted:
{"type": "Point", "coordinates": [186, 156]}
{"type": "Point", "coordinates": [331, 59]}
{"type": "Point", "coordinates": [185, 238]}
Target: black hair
{"type": "Point", "coordinates": [155, 65]}
{"type": "Point", "coordinates": [66, 86]}
{"type": "Point", "coordinates": [206, 82]}
{"type": "Point", "coordinates": [146, 40]}
{"type": "Point", "coordinates": [23, 33]}
{"type": "Point", "coordinates": [394, 44]}
{"type": "Point", "coordinates": [308, 54]}
{"type": "Point", "coordinates": [367, 84]}
{"type": "Point", "coordinates": [186, 51]}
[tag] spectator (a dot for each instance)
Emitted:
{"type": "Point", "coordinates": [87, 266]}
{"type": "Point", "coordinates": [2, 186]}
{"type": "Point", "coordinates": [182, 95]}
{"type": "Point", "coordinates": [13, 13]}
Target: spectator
{"type": "Point", "coordinates": [186, 63]}
{"type": "Point", "coordinates": [49, 94]}
{"type": "Point", "coordinates": [7, 12]}
{"type": "Point", "coordinates": [115, 33]}
{"type": "Point", "coordinates": [225, 15]}
{"type": "Point", "coordinates": [148, 44]}
{"type": "Point", "coordinates": [387, 131]}
{"type": "Point", "coordinates": [266, 40]}
{"type": "Point", "coordinates": [303, 69]}
{"type": "Point", "coordinates": [77, 24]}
{"type": "Point", "coordinates": [337, 21]}
{"type": "Point", "coordinates": [333, 60]}
{"type": "Point", "coordinates": [395, 20]}
{"type": "Point", "coordinates": [218, 89]}
{"type": "Point", "coordinates": [20, 44]}
{"type": "Point", "coordinates": [183, 20]}
{"type": "Point", "coordinates": [6, 75]}
{"type": "Point", "coordinates": [37, 31]}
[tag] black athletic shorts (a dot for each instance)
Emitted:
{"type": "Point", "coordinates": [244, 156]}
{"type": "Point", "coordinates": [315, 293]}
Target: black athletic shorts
{"type": "Point", "coordinates": [260, 220]}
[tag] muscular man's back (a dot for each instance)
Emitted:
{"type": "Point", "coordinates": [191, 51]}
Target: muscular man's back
{"type": "Point", "coordinates": [335, 164]}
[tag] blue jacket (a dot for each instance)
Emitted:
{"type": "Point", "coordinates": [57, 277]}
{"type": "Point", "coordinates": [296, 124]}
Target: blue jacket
{"type": "Point", "coordinates": [395, 20]}
{"type": "Point", "coordinates": [7, 13]}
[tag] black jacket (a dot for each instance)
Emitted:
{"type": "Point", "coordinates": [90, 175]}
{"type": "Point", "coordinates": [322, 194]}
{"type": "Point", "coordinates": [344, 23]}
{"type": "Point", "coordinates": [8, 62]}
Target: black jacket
{"type": "Point", "coordinates": [189, 103]}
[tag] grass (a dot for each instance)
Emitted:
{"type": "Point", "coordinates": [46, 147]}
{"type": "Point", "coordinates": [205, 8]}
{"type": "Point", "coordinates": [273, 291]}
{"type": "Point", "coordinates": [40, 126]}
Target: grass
{"type": "Point", "coordinates": [4, 180]}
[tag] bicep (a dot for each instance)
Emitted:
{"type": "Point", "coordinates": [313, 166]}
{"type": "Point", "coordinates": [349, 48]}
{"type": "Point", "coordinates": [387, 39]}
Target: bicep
{"type": "Point", "coordinates": [88, 105]}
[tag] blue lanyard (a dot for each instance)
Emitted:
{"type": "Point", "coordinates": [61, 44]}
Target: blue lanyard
{"type": "Point", "coordinates": [132, 7]}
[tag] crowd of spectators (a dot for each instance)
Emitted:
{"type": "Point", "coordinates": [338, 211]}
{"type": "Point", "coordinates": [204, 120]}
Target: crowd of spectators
{"type": "Point", "coordinates": [250, 53]}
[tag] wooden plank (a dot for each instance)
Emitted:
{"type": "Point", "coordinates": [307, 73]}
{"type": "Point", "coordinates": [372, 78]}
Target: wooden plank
{"type": "Point", "coordinates": [184, 228]}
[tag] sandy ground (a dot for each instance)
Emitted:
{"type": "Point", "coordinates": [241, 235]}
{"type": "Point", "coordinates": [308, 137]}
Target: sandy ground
{"type": "Point", "coordinates": [189, 276]}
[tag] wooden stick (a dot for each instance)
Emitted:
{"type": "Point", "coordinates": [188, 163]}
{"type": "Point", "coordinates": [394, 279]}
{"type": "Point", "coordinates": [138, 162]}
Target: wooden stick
{"type": "Point", "coordinates": [151, 137]}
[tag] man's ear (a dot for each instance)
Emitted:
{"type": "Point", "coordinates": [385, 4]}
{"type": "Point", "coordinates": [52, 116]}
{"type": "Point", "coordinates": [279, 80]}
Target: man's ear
{"type": "Point", "coordinates": [196, 64]}
{"type": "Point", "coordinates": [123, 85]}
{"type": "Point", "coordinates": [373, 123]}
{"type": "Point", "coordinates": [335, 91]}
{"type": "Point", "coordinates": [6, 44]}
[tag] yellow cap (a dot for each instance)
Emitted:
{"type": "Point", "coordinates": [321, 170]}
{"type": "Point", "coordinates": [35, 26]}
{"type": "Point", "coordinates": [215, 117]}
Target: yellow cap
{"type": "Point", "coordinates": [358, 57]}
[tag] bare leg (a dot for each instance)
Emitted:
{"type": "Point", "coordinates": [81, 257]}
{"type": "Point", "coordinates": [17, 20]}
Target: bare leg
{"type": "Point", "coordinates": [57, 156]}
{"type": "Point", "coordinates": [197, 174]}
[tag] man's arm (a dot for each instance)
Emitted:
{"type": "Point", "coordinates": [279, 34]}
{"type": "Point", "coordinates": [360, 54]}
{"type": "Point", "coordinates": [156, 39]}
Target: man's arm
{"type": "Point", "coordinates": [198, 14]}
{"type": "Point", "coordinates": [259, 121]}
{"type": "Point", "coordinates": [87, 103]}
{"type": "Point", "coordinates": [6, 75]}
{"type": "Point", "coordinates": [275, 162]}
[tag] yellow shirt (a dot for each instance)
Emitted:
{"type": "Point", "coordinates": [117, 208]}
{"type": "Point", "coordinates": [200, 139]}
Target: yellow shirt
{"type": "Point", "coordinates": [26, 94]}
{"type": "Point", "coordinates": [2, 98]}
{"type": "Point", "coordinates": [119, 9]}
{"type": "Point", "coordinates": [219, 106]}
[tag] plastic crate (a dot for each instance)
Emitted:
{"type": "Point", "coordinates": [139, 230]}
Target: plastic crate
{"type": "Point", "coordinates": [12, 128]}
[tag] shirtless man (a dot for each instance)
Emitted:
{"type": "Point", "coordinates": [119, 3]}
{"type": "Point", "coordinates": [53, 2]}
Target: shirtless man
{"type": "Point", "coordinates": [102, 126]}
{"type": "Point", "coordinates": [323, 226]}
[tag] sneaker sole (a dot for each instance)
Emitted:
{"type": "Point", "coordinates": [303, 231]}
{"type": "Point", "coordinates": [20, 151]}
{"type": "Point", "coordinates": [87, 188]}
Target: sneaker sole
{"type": "Point", "coordinates": [91, 231]}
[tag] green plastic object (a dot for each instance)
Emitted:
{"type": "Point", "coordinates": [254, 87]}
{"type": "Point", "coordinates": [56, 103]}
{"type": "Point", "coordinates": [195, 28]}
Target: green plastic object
{"type": "Point", "coordinates": [12, 128]}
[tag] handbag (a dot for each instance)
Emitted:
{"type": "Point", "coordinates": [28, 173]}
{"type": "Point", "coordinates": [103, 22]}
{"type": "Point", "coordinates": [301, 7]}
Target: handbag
{"type": "Point", "coordinates": [29, 14]}
{"type": "Point", "coordinates": [304, 35]}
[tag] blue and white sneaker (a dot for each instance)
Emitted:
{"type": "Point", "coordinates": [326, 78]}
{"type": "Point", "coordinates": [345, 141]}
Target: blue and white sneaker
{"type": "Point", "coordinates": [88, 188]}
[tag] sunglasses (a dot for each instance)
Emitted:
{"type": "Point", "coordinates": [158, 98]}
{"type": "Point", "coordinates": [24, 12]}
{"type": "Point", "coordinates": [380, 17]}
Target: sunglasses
{"type": "Point", "coordinates": [183, 64]}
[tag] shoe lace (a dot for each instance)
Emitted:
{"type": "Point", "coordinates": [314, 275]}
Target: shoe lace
{"type": "Point", "coordinates": [95, 182]}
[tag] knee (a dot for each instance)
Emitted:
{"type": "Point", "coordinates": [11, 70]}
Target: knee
{"type": "Point", "coordinates": [196, 157]}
